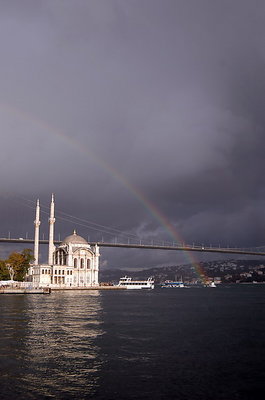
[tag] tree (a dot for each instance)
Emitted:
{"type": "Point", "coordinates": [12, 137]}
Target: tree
{"type": "Point", "coordinates": [4, 274]}
{"type": "Point", "coordinates": [19, 263]}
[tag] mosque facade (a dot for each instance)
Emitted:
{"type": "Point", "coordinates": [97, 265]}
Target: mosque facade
{"type": "Point", "coordinates": [74, 263]}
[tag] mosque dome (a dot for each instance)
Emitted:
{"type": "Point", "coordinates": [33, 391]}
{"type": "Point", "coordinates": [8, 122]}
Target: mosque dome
{"type": "Point", "coordinates": [74, 239]}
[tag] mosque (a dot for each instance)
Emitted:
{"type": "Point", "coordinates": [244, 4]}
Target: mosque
{"type": "Point", "coordinates": [74, 263]}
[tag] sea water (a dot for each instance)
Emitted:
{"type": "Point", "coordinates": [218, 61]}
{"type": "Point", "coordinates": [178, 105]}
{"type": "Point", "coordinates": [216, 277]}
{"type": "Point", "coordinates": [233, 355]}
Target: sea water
{"type": "Point", "coordinates": [197, 343]}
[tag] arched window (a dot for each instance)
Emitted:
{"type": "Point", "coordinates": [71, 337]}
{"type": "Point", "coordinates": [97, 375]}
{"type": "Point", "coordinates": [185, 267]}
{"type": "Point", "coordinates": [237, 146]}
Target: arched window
{"type": "Point", "coordinates": [82, 263]}
{"type": "Point", "coordinates": [88, 263]}
{"type": "Point", "coordinates": [75, 262]}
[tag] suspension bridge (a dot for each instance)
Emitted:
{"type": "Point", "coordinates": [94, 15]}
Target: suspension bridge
{"type": "Point", "coordinates": [131, 241]}
{"type": "Point", "coordinates": [255, 251]}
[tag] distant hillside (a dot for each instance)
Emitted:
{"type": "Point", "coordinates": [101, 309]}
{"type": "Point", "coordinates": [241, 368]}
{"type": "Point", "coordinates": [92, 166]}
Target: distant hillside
{"type": "Point", "coordinates": [229, 271]}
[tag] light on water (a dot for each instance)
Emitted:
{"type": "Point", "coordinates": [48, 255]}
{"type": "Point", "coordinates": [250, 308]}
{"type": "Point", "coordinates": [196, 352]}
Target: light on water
{"type": "Point", "coordinates": [49, 343]}
{"type": "Point", "coordinates": [186, 344]}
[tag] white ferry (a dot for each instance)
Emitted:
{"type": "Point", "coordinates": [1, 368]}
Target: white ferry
{"type": "Point", "coordinates": [128, 283]}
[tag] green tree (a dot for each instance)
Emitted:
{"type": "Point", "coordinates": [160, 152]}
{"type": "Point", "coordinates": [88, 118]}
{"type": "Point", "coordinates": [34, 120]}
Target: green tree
{"type": "Point", "coordinates": [4, 274]}
{"type": "Point", "coordinates": [19, 263]}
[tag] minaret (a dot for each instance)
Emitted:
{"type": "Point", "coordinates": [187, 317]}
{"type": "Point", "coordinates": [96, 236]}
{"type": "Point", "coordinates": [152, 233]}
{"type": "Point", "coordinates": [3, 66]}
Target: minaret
{"type": "Point", "coordinates": [37, 231]}
{"type": "Point", "coordinates": [51, 232]}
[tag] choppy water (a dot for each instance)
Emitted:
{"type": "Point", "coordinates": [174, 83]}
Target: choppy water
{"type": "Point", "coordinates": [176, 344]}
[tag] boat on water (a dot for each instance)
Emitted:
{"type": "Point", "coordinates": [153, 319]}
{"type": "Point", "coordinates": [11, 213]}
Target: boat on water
{"type": "Point", "coordinates": [128, 283]}
{"type": "Point", "coordinates": [173, 284]}
{"type": "Point", "coordinates": [211, 284]}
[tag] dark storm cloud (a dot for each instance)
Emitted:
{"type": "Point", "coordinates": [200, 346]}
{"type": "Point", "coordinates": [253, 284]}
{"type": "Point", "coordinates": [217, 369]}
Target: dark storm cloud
{"type": "Point", "coordinates": [169, 94]}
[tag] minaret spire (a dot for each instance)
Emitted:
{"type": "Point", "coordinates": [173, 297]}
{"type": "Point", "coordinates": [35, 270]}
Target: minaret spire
{"type": "Point", "coordinates": [37, 231]}
{"type": "Point", "coordinates": [51, 232]}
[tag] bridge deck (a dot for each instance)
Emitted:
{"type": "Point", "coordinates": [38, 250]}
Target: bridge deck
{"type": "Point", "coordinates": [188, 248]}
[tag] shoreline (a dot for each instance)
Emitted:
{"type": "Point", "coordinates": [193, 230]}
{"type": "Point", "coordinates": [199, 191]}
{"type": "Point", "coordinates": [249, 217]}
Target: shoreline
{"type": "Point", "coordinates": [88, 288]}
{"type": "Point", "coordinates": [48, 290]}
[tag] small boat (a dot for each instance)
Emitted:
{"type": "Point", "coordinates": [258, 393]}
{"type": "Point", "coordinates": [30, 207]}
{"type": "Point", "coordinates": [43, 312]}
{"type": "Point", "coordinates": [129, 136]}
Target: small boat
{"type": "Point", "coordinates": [211, 284]}
{"type": "Point", "coordinates": [172, 284]}
{"type": "Point", "coordinates": [128, 283]}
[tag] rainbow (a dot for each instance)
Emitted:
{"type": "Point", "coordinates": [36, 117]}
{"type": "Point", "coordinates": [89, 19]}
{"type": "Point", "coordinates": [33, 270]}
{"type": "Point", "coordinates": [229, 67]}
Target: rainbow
{"type": "Point", "coordinates": [139, 195]}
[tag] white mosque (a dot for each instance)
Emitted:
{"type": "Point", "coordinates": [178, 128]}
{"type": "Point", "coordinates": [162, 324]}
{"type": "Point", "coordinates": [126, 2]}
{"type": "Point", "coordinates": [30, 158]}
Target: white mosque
{"type": "Point", "coordinates": [74, 263]}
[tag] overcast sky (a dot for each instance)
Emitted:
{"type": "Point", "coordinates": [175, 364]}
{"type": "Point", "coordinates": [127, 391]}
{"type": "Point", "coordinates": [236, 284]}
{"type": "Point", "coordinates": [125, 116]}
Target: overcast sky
{"type": "Point", "coordinates": [123, 107]}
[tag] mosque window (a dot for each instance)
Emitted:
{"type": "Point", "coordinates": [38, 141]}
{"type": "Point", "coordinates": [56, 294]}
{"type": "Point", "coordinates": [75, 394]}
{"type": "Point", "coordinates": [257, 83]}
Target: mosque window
{"type": "Point", "coordinates": [62, 258]}
{"type": "Point", "coordinates": [63, 271]}
{"type": "Point", "coordinates": [59, 272]}
{"type": "Point", "coordinates": [75, 262]}
{"type": "Point", "coordinates": [42, 271]}
{"type": "Point", "coordinates": [82, 263]}
{"type": "Point", "coordinates": [71, 272]}
{"type": "Point", "coordinates": [55, 272]}
{"type": "Point", "coordinates": [88, 263]}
